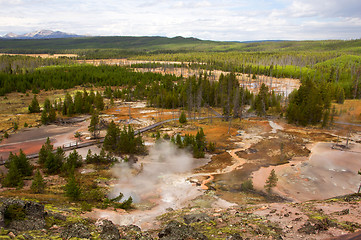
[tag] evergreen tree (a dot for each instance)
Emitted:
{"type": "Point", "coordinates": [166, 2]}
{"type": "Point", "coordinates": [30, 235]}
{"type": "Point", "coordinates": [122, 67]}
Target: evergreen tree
{"type": "Point", "coordinates": [34, 105]}
{"type": "Point", "coordinates": [73, 161]}
{"type": "Point", "coordinates": [271, 181]}
{"type": "Point", "coordinates": [111, 138]}
{"type": "Point", "coordinates": [122, 142]}
{"type": "Point", "coordinates": [326, 118]}
{"type": "Point", "coordinates": [13, 178]}
{"type": "Point", "coordinates": [308, 104]}
{"type": "Point", "coordinates": [182, 118]}
{"type": "Point", "coordinates": [78, 103]}
{"type": "Point", "coordinates": [72, 188]}
{"type": "Point", "coordinates": [54, 162]}
{"type": "Point", "coordinates": [47, 105]}
{"type": "Point", "coordinates": [201, 139]}
{"type": "Point", "coordinates": [23, 164]}
{"type": "Point", "coordinates": [262, 101]}
{"type": "Point", "coordinates": [94, 122]}
{"type": "Point", "coordinates": [68, 105]}
{"type": "Point", "coordinates": [99, 102]}
{"type": "Point", "coordinates": [45, 150]}
{"type": "Point", "coordinates": [44, 117]}
{"type": "Point", "coordinates": [38, 184]}
{"type": "Point", "coordinates": [127, 204]}
{"type": "Point", "coordinates": [52, 115]}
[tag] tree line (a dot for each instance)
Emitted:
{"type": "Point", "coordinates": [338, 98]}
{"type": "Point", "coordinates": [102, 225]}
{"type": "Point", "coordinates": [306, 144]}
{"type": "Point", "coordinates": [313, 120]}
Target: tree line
{"type": "Point", "coordinates": [342, 70]}
{"type": "Point", "coordinates": [163, 91]}
{"type": "Point", "coordinates": [23, 64]}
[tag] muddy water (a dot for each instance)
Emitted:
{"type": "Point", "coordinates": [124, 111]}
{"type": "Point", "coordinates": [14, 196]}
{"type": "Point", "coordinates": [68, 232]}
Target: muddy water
{"type": "Point", "coordinates": [327, 173]}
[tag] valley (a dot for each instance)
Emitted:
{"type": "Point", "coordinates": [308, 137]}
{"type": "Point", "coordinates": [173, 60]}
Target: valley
{"type": "Point", "coordinates": [156, 144]}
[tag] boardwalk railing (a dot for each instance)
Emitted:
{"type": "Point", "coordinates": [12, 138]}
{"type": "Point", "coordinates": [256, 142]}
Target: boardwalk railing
{"type": "Point", "coordinates": [77, 145]}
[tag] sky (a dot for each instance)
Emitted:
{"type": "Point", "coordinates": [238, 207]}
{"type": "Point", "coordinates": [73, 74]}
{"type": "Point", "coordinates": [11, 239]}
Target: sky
{"type": "Point", "coordinates": [221, 20]}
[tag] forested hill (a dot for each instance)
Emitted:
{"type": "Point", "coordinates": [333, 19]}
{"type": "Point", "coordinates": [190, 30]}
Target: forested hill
{"type": "Point", "coordinates": [122, 43]}
{"type": "Point", "coordinates": [176, 44]}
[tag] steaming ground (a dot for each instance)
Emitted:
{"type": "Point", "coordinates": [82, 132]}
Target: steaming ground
{"type": "Point", "coordinates": [159, 179]}
{"type": "Point", "coordinates": [158, 169]}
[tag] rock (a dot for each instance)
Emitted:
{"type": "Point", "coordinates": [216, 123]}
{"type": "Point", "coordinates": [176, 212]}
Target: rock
{"type": "Point", "coordinates": [22, 215]}
{"type": "Point", "coordinates": [133, 232]}
{"type": "Point", "coordinates": [235, 237]}
{"type": "Point", "coordinates": [12, 235]}
{"type": "Point", "coordinates": [343, 212]}
{"type": "Point", "coordinates": [27, 236]}
{"type": "Point", "coordinates": [57, 216]}
{"type": "Point", "coordinates": [54, 227]}
{"type": "Point", "coordinates": [198, 217]}
{"type": "Point", "coordinates": [309, 228]}
{"type": "Point", "coordinates": [178, 231]}
{"type": "Point", "coordinates": [297, 219]}
{"type": "Point", "coordinates": [78, 230]}
{"type": "Point", "coordinates": [108, 231]}
{"type": "Point", "coordinates": [273, 211]}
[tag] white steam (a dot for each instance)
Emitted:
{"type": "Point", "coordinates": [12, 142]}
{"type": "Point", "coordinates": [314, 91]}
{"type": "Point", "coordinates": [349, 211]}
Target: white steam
{"type": "Point", "coordinates": [158, 178]}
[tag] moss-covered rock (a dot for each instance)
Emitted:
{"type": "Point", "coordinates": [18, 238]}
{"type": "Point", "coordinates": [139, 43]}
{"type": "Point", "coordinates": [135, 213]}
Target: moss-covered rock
{"type": "Point", "coordinates": [22, 215]}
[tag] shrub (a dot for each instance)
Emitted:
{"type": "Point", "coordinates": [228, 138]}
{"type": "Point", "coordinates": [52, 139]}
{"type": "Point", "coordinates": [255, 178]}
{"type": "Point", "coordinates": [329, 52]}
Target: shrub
{"type": "Point", "coordinates": [247, 185]}
{"type": "Point", "coordinates": [166, 136]}
{"type": "Point", "coordinates": [182, 118]}
{"type": "Point", "coordinates": [14, 212]}
{"type": "Point", "coordinates": [211, 147]}
{"type": "Point", "coordinates": [87, 207]}
{"type": "Point", "coordinates": [34, 106]}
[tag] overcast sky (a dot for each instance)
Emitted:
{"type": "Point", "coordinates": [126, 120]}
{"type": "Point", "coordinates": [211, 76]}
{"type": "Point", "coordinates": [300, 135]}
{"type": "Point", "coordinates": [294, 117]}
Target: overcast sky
{"type": "Point", "coordinates": [226, 20]}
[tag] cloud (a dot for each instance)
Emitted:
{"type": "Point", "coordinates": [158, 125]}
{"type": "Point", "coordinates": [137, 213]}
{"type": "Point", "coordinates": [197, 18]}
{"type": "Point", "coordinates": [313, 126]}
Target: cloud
{"type": "Point", "coordinates": [228, 20]}
{"type": "Point", "coordinates": [329, 8]}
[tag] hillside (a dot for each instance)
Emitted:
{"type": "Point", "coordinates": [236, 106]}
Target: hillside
{"type": "Point", "coordinates": [176, 44]}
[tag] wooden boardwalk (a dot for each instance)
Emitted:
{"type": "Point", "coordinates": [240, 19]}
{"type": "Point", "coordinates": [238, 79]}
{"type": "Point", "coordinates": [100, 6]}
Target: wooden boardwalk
{"type": "Point", "coordinates": [77, 145]}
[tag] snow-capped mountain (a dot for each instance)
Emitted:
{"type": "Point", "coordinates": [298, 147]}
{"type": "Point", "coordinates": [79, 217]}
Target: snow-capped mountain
{"type": "Point", "coordinates": [41, 34]}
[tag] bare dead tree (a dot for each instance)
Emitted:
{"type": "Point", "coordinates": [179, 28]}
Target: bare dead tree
{"type": "Point", "coordinates": [236, 102]}
{"type": "Point", "coordinates": [199, 100]}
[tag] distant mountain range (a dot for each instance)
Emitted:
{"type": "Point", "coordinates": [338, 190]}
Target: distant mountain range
{"type": "Point", "coordinates": [41, 34]}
